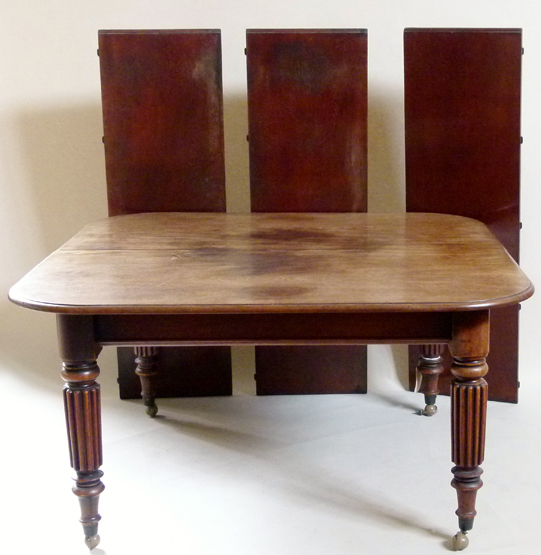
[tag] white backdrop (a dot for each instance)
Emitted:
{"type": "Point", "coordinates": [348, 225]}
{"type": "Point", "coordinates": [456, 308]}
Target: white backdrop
{"type": "Point", "coordinates": [52, 178]}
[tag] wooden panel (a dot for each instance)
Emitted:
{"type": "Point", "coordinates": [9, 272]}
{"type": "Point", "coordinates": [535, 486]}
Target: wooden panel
{"type": "Point", "coordinates": [307, 108]}
{"type": "Point", "coordinates": [462, 108]}
{"type": "Point", "coordinates": [310, 370]}
{"type": "Point", "coordinates": [307, 105]}
{"type": "Point", "coordinates": [163, 121]}
{"type": "Point", "coordinates": [164, 152]}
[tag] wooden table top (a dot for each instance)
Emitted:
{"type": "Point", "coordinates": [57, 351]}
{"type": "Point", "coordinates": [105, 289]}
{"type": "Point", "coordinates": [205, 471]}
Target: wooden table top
{"type": "Point", "coordinates": [228, 263]}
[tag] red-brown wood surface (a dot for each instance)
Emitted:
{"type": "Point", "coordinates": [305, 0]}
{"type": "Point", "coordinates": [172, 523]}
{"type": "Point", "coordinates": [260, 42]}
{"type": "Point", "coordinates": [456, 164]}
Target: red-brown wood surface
{"type": "Point", "coordinates": [307, 104]}
{"type": "Point", "coordinates": [164, 152]}
{"type": "Point", "coordinates": [163, 121]}
{"type": "Point", "coordinates": [307, 108]}
{"type": "Point", "coordinates": [462, 112]}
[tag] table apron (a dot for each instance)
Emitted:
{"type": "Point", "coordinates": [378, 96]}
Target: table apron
{"type": "Point", "coordinates": [273, 329]}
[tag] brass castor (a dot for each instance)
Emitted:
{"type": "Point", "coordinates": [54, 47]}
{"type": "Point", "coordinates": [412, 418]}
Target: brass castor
{"type": "Point", "coordinates": [152, 410]}
{"type": "Point", "coordinates": [92, 541]}
{"type": "Point", "coordinates": [430, 410]}
{"type": "Point", "coordinates": [460, 541]}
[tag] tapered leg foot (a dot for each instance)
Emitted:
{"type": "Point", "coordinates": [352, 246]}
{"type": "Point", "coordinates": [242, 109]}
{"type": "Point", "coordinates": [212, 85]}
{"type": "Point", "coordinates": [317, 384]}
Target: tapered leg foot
{"type": "Point", "coordinates": [88, 487]}
{"type": "Point", "coordinates": [467, 481]}
{"type": "Point", "coordinates": [430, 367]}
{"type": "Point", "coordinates": [147, 369]}
{"type": "Point", "coordinates": [82, 405]}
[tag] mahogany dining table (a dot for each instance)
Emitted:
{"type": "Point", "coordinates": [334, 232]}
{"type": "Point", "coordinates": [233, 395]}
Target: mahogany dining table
{"type": "Point", "coordinates": [164, 279]}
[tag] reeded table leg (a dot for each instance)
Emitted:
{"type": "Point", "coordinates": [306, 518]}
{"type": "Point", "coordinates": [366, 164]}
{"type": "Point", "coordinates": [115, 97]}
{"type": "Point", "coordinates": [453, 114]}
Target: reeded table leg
{"type": "Point", "coordinates": [147, 368]}
{"type": "Point", "coordinates": [83, 416]}
{"type": "Point", "coordinates": [430, 366]}
{"type": "Point", "coordinates": [469, 394]}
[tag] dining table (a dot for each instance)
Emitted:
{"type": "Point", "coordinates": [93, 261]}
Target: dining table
{"type": "Point", "coordinates": [151, 280]}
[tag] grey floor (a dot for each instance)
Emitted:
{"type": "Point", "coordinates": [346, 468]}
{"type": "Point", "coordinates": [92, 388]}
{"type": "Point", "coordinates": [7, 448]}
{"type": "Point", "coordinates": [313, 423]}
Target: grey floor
{"type": "Point", "coordinates": [244, 475]}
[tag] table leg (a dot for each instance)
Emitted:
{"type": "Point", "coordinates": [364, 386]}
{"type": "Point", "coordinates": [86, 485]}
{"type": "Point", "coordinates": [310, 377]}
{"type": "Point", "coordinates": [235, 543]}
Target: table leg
{"type": "Point", "coordinates": [469, 394]}
{"type": "Point", "coordinates": [83, 416]}
{"type": "Point", "coordinates": [147, 369]}
{"type": "Point", "coordinates": [430, 367]}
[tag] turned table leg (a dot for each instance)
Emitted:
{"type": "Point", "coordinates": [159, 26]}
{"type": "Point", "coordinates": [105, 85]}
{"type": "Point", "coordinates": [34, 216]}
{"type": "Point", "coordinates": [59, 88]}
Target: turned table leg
{"type": "Point", "coordinates": [469, 394]}
{"type": "Point", "coordinates": [83, 416]}
{"type": "Point", "coordinates": [430, 367]}
{"type": "Point", "coordinates": [147, 369]}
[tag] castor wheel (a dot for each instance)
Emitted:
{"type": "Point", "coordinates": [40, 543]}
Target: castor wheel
{"type": "Point", "coordinates": [152, 410]}
{"type": "Point", "coordinates": [460, 541]}
{"type": "Point", "coordinates": [430, 410]}
{"type": "Point", "coordinates": [92, 541]}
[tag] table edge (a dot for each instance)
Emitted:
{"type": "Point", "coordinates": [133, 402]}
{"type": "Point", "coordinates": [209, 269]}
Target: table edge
{"type": "Point", "coordinates": [273, 308]}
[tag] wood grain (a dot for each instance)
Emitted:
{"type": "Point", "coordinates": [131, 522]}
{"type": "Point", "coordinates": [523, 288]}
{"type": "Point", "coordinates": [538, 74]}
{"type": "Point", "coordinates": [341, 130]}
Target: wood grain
{"type": "Point", "coordinates": [210, 263]}
{"type": "Point", "coordinates": [163, 120]}
{"type": "Point", "coordinates": [462, 124]}
{"type": "Point", "coordinates": [307, 113]}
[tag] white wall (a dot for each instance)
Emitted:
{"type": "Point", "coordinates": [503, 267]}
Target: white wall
{"type": "Point", "coordinates": [51, 158]}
